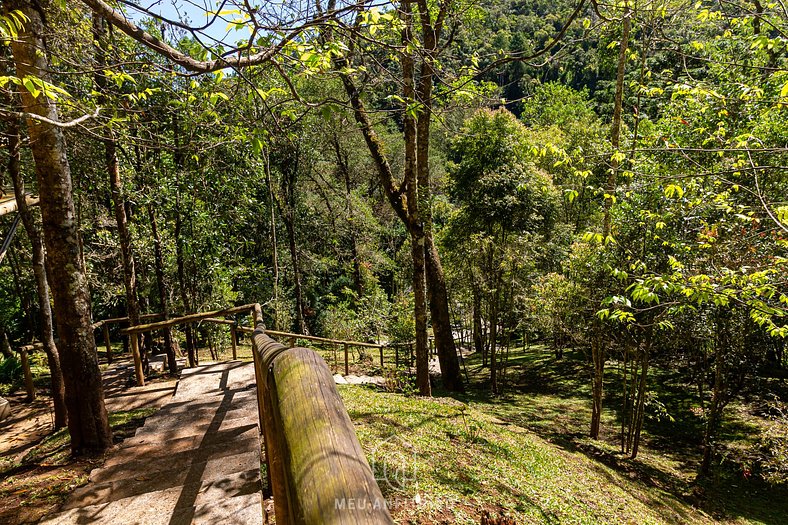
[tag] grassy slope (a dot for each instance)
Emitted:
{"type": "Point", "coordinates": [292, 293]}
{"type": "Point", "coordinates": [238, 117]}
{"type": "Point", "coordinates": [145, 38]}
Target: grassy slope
{"type": "Point", "coordinates": [525, 454]}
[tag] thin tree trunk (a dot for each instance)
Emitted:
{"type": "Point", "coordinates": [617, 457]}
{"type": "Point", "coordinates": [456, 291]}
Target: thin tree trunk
{"type": "Point", "coordinates": [436, 282]}
{"type": "Point", "coordinates": [597, 386]}
{"type": "Point", "coordinates": [170, 345]}
{"type": "Point", "coordinates": [717, 395]}
{"type": "Point", "coordinates": [28, 328]}
{"type": "Point", "coordinates": [415, 206]}
{"type": "Point", "coordinates": [615, 132]}
{"type": "Point", "coordinates": [344, 169]}
{"type": "Point", "coordinates": [88, 424]}
{"type": "Point", "coordinates": [641, 400]}
{"type": "Point", "coordinates": [39, 271]}
{"type": "Point", "coordinates": [274, 246]}
{"type": "Point", "coordinates": [478, 339]}
{"type": "Point", "coordinates": [179, 260]}
{"type": "Point", "coordinates": [116, 185]}
{"type": "Point", "coordinates": [297, 287]}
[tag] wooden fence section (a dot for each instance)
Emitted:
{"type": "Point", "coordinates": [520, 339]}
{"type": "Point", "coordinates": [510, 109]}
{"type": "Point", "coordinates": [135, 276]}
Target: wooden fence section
{"type": "Point", "coordinates": [24, 356]}
{"type": "Point", "coordinates": [135, 331]}
{"type": "Point", "coordinates": [105, 323]}
{"type": "Point", "coordinates": [316, 466]}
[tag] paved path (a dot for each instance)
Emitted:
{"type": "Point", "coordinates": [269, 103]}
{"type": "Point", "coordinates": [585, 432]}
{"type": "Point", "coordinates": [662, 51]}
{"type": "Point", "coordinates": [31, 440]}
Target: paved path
{"type": "Point", "coordinates": [197, 460]}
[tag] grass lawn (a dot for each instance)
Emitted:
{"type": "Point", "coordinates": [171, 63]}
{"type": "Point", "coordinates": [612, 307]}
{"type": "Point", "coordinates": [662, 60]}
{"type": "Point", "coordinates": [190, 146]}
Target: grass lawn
{"type": "Point", "coordinates": [525, 454]}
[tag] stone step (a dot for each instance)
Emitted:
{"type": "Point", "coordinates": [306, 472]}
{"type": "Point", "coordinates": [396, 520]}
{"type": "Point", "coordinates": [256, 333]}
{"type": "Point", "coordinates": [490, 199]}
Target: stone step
{"type": "Point", "coordinates": [188, 441]}
{"type": "Point", "coordinates": [148, 452]}
{"type": "Point", "coordinates": [167, 433]}
{"type": "Point", "coordinates": [170, 421]}
{"type": "Point", "coordinates": [142, 483]}
{"type": "Point", "coordinates": [237, 502]}
{"type": "Point", "coordinates": [197, 460]}
{"type": "Point", "coordinates": [211, 398]}
{"type": "Point", "coordinates": [208, 405]}
{"type": "Point", "coordinates": [119, 467]}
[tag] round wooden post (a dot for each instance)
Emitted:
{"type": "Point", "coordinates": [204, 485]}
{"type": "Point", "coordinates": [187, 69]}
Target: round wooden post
{"type": "Point", "coordinates": [396, 356]}
{"type": "Point", "coordinates": [347, 368]}
{"type": "Point", "coordinates": [234, 340]}
{"type": "Point", "coordinates": [292, 342]}
{"type": "Point", "coordinates": [336, 360]}
{"type": "Point", "coordinates": [29, 387]}
{"type": "Point", "coordinates": [381, 356]}
{"type": "Point", "coordinates": [105, 329]}
{"type": "Point", "coordinates": [135, 351]}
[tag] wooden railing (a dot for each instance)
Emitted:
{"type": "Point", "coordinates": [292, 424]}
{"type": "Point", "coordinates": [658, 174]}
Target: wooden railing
{"type": "Point", "coordinates": [104, 324]}
{"type": "Point", "coordinates": [317, 469]}
{"type": "Point", "coordinates": [134, 331]}
{"type": "Point", "coordinates": [24, 352]}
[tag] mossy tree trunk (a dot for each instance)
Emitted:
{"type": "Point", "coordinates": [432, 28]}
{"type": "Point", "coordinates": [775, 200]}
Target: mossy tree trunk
{"type": "Point", "coordinates": [88, 424]}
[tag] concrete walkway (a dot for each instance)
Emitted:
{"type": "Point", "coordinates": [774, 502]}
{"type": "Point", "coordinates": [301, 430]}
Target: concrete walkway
{"type": "Point", "coordinates": [197, 460]}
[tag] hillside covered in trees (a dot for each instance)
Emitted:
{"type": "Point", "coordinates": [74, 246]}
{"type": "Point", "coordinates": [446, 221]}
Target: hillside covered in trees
{"type": "Point", "coordinates": [582, 206]}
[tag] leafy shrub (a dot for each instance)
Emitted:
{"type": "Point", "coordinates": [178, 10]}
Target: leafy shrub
{"type": "Point", "coordinates": [400, 381]}
{"type": "Point", "coordinates": [401, 325]}
{"type": "Point", "coordinates": [10, 374]}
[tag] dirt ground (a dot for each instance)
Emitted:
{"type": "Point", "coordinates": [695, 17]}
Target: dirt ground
{"type": "Point", "coordinates": [36, 470]}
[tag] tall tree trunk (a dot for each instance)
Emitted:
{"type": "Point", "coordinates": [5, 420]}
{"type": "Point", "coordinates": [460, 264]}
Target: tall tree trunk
{"type": "Point", "coordinates": [598, 345]}
{"type": "Point", "coordinates": [344, 169]}
{"type": "Point", "coordinates": [88, 424]}
{"type": "Point", "coordinates": [39, 271]}
{"type": "Point", "coordinates": [274, 246]}
{"type": "Point", "coordinates": [415, 207]}
{"type": "Point", "coordinates": [436, 282]}
{"type": "Point", "coordinates": [158, 260]}
{"type": "Point", "coordinates": [116, 184]}
{"type": "Point", "coordinates": [615, 130]}
{"type": "Point", "coordinates": [180, 263]}
{"type": "Point", "coordinates": [124, 235]}
{"type": "Point", "coordinates": [597, 384]}
{"type": "Point", "coordinates": [639, 412]}
{"type": "Point", "coordinates": [718, 394]}
{"type": "Point", "coordinates": [451, 374]}
{"type": "Point", "coordinates": [295, 260]}
{"type": "Point", "coordinates": [478, 338]}
{"type": "Point", "coordinates": [180, 256]}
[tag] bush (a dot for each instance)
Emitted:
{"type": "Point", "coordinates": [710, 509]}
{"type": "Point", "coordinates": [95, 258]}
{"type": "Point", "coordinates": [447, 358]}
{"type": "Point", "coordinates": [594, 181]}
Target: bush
{"type": "Point", "coordinates": [10, 375]}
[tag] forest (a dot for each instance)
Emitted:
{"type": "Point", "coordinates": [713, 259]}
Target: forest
{"type": "Point", "coordinates": [575, 211]}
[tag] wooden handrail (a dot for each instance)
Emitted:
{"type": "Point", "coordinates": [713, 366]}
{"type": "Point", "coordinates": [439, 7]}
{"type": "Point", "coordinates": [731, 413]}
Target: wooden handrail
{"type": "Point", "coordinates": [318, 471]}
{"type": "Point", "coordinates": [275, 333]}
{"type": "Point", "coordinates": [104, 322]}
{"type": "Point", "coordinates": [134, 331]}
{"type": "Point", "coordinates": [190, 318]}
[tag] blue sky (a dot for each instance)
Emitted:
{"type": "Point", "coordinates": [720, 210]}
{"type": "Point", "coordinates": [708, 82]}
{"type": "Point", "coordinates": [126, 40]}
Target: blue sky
{"type": "Point", "coordinates": [195, 13]}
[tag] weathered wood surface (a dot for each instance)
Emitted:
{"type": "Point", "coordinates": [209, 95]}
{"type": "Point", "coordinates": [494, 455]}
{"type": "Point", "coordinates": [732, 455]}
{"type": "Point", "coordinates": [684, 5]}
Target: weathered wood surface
{"type": "Point", "coordinates": [24, 356]}
{"type": "Point", "coordinates": [319, 473]}
{"type": "Point", "coordinates": [8, 203]}
{"type": "Point", "coordinates": [191, 318]}
{"type": "Point", "coordinates": [274, 333]}
{"type": "Point", "coordinates": [105, 322]}
{"type": "Point", "coordinates": [219, 321]}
